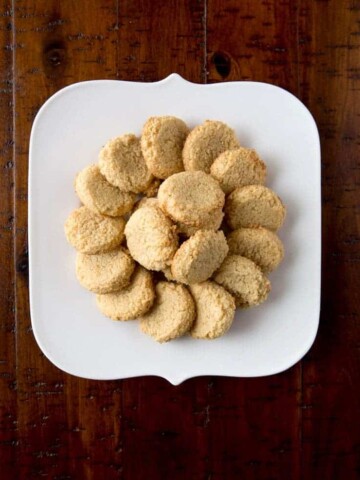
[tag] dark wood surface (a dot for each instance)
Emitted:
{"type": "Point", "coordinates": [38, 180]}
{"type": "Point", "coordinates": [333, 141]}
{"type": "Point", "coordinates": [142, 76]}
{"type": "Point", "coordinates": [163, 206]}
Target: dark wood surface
{"type": "Point", "coordinates": [301, 424]}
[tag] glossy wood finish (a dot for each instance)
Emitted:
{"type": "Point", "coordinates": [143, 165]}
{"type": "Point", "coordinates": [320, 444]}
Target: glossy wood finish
{"type": "Point", "coordinates": [301, 424]}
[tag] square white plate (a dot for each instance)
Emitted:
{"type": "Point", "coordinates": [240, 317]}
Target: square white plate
{"type": "Point", "coordinates": [67, 135]}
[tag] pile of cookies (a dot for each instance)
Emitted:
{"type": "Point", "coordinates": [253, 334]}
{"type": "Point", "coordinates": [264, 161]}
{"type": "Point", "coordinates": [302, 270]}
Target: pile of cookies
{"type": "Point", "coordinates": [176, 229]}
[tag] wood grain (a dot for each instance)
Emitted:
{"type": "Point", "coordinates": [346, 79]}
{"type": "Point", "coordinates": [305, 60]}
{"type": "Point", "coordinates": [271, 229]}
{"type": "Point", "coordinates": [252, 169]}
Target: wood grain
{"type": "Point", "coordinates": [301, 424]}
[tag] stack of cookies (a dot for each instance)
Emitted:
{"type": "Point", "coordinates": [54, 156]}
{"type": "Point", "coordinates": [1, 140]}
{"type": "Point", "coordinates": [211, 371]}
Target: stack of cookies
{"type": "Point", "coordinates": [176, 229]}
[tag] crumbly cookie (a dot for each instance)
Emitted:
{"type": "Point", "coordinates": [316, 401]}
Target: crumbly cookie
{"type": "Point", "coordinates": [104, 272]}
{"type": "Point", "coordinates": [260, 245]}
{"type": "Point", "coordinates": [162, 143]}
{"type": "Point", "coordinates": [199, 257]}
{"type": "Point", "coordinates": [191, 197]}
{"type": "Point", "coordinates": [205, 143]}
{"type": "Point", "coordinates": [244, 280]}
{"type": "Point", "coordinates": [254, 206]}
{"type": "Point", "coordinates": [130, 302]}
{"type": "Point", "coordinates": [168, 275]}
{"type": "Point", "coordinates": [215, 310]}
{"type": "Point", "coordinates": [213, 223]}
{"type": "Point", "coordinates": [151, 238]}
{"type": "Point", "coordinates": [90, 232]}
{"type": "Point", "coordinates": [172, 314]}
{"type": "Point", "coordinates": [237, 168]}
{"type": "Point", "coordinates": [123, 165]}
{"type": "Point", "coordinates": [97, 194]}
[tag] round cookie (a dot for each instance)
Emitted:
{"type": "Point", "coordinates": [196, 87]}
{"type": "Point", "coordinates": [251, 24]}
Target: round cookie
{"type": "Point", "coordinates": [130, 302]}
{"type": "Point", "coordinates": [254, 206]}
{"type": "Point", "coordinates": [213, 223]}
{"type": "Point", "coordinates": [260, 245]}
{"type": "Point", "coordinates": [172, 314]}
{"type": "Point", "coordinates": [123, 165]}
{"type": "Point", "coordinates": [205, 143]}
{"type": "Point", "coordinates": [192, 198]}
{"type": "Point", "coordinates": [215, 310]}
{"type": "Point", "coordinates": [244, 280]}
{"type": "Point", "coordinates": [90, 232]}
{"type": "Point", "coordinates": [199, 257]}
{"type": "Point", "coordinates": [97, 194]}
{"type": "Point", "coordinates": [104, 272]}
{"type": "Point", "coordinates": [151, 238]}
{"type": "Point", "coordinates": [162, 143]}
{"type": "Point", "coordinates": [237, 168]}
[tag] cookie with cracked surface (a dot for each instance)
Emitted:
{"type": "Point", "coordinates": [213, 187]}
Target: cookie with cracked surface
{"type": "Point", "coordinates": [162, 142]}
{"type": "Point", "coordinates": [172, 314]}
{"type": "Point", "coordinates": [244, 280]}
{"type": "Point", "coordinates": [123, 165]}
{"type": "Point", "coordinates": [130, 302]}
{"type": "Point", "coordinates": [199, 257]}
{"type": "Point", "coordinates": [192, 198]}
{"type": "Point", "coordinates": [254, 206]}
{"type": "Point", "coordinates": [215, 310]}
{"type": "Point", "coordinates": [205, 143]}
{"type": "Point", "coordinates": [151, 238]}
{"type": "Point", "coordinates": [104, 272]}
{"type": "Point", "coordinates": [97, 194]}
{"type": "Point", "coordinates": [237, 168]}
{"type": "Point", "coordinates": [260, 245]}
{"type": "Point", "coordinates": [91, 233]}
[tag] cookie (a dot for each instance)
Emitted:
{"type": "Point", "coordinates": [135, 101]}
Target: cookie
{"type": "Point", "coordinates": [215, 310]}
{"type": "Point", "coordinates": [90, 232]}
{"type": "Point", "coordinates": [254, 206]}
{"type": "Point", "coordinates": [97, 194]}
{"type": "Point", "coordinates": [199, 257]}
{"type": "Point", "coordinates": [162, 142]}
{"type": "Point", "coordinates": [151, 238]}
{"type": "Point", "coordinates": [172, 314]}
{"type": "Point", "coordinates": [205, 143]}
{"type": "Point", "coordinates": [104, 272]}
{"type": "Point", "coordinates": [244, 280]}
{"type": "Point", "coordinates": [260, 245]}
{"type": "Point", "coordinates": [237, 168]}
{"type": "Point", "coordinates": [191, 198]}
{"type": "Point", "coordinates": [130, 302]}
{"type": "Point", "coordinates": [123, 165]}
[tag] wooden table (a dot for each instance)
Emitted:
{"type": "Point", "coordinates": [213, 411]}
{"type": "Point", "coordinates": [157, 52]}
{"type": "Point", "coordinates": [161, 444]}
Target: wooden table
{"type": "Point", "coordinates": [301, 424]}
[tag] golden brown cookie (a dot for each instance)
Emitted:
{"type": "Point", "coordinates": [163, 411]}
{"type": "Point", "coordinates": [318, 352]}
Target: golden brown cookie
{"type": "Point", "coordinates": [215, 310]}
{"type": "Point", "coordinates": [260, 245]}
{"type": "Point", "coordinates": [192, 198]}
{"type": "Point", "coordinates": [91, 232]}
{"type": "Point", "coordinates": [151, 238]}
{"type": "Point", "coordinates": [199, 257]}
{"type": "Point", "coordinates": [162, 143]}
{"type": "Point", "coordinates": [254, 206]}
{"type": "Point", "coordinates": [147, 202]}
{"type": "Point", "coordinates": [244, 280]}
{"type": "Point", "coordinates": [205, 143]}
{"type": "Point", "coordinates": [123, 165]}
{"type": "Point", "coordinates": [237, 168]}
{"type": "Point", "coordinates": [97, 194]}
{"type": "Point", "coordinates": [130, 302]}
{"type": "Point", "coordinates": [172, 314]}
{"type": "Point", "coordinates": [104, 272]}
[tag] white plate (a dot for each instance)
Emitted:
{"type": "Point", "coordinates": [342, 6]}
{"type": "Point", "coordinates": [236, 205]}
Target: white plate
{"type": "Point", "coordinates": [67, 135]}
